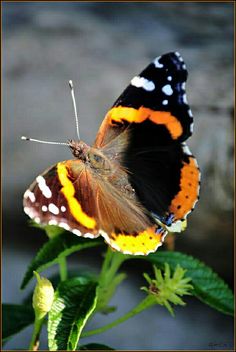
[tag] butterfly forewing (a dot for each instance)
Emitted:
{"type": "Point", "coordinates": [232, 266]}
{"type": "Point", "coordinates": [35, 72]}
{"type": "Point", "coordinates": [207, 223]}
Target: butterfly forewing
{"type": "Point", "coordinates": [154, 111]}
{"type": "Point", "coordinates": [62, 196]}
{"type": "Point", "coordinates": [156, 95]}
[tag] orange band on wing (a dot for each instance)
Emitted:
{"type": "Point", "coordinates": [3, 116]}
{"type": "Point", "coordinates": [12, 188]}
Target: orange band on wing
{"type": "Point", "coordinates": [139, 243]}
{"type": "Point", "coordinates": [185, 200]}
{"type": "Point", "coordinates": [68, 190]}
{"type": "Point", "coordinates": [122, 113]}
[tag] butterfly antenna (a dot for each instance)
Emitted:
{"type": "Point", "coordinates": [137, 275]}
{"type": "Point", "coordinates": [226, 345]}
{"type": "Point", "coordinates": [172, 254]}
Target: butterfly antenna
{"type": "Point", "coordinates": [75, 108]}
{"type": "Point", "coordinates": [43, 142]}
{"type": "Point", "coordinates": [76, 122]}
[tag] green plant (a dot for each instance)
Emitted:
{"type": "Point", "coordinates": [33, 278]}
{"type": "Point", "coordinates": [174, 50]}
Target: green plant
{"type": "Point", "coordinates": [77, 297]}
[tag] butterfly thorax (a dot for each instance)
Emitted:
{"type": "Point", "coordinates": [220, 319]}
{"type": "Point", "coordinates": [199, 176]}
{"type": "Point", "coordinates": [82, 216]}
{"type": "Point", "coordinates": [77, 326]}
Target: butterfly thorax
{"type": "Point", "coordinates": [103, 164]}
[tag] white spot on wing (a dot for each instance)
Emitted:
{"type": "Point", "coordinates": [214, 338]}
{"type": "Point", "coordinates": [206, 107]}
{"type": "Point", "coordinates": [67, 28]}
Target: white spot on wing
{"type": "Point", "coordinates": [185, 99]}
{"type": "Point", "coordinates": [165, 102]}
{"type": "Point", "coordinates": [179, 56]}
{"type": "Point", "coordinates": [128, 252]}
{"type": "Point", "coordinates": [53, 209]}
{"type": "Point", "coordinates": [63, 209]}
{"type": "Point", "coordinates": [28, 212]}
{"type": "Point", "coordinates": [186, 149]}
{"type": "Point", "coordinates": [141, 82]}
{"type": "Point", "coordinates": [64, 225]}
{"type": "Point", "coordinates": [37, 220]}
{"type": "Point", "coordinates": [88, 235]}
{"type": "Point", "coordinates": [157, 63]}
{"type": "Point", "coordinates": [167, 89]}
{"type": "Point", "coordinates": [183, 85]}
{"type": "Point", "coordinates": [44, 208]}
{"type": "Point", "coordinates": [52, 222]}
{"type": "Point", "coordinates": [169, 78]}
{"type": "Point", "coordinates": [30, 195]}
{"type": "Point", "coordinates": [191, 127]}
{"type": "Point", "coordinates": [175, 227]}
{"type": "Point", "coordinates": [190, 112]}
{"type": "Point", "coordinates": [43, 187]}
{"type": "Point", "coordinates": [76, 232]}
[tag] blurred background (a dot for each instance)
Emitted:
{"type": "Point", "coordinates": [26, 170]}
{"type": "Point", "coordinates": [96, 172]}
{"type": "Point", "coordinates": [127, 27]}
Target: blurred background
{"type": "Point", "coordinates": [101, 46]}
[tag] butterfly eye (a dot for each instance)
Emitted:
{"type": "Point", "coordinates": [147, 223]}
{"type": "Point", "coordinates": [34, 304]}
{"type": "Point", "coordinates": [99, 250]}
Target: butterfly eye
{"type": "Point", "coordinates": [100, 162]}
{"type": "Point", "coordinates": [97, 161]}
{"type": "Point", "coordinates": [97, 158]}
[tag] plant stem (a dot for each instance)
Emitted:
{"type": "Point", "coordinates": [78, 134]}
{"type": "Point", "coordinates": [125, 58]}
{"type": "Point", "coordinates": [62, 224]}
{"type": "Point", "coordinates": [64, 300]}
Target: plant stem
{"type": "Point", "coordinates": [106, 262]}
{"type": "Point", "coordinates": [63, 269]}
{"type": "Point", "coordinates": [108, 278]}
{"type": "Point", "coordinates": [111, 264]}
{"type": "Point", "coordinates": [34, 343]}
{"type": "Point", "coordinates": [144, 304]}
{"type": "Point", "coordinates": [116, 261]}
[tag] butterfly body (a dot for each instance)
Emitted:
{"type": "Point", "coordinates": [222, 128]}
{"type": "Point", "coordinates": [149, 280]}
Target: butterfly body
{"type": "Point", "coordinates": [139, 179]}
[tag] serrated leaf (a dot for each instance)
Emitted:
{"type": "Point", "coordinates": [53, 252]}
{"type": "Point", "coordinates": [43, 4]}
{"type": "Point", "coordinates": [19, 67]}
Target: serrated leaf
{"type": "Point", "coordinates": [56, 248]}
{"type": "Point", "coordinates": [74, 302]}
{"type": "Point", "coordinates": [95, 346]}
{"type": "Point", "coordinates": [208, 286]}
{"type": "Point", "coordinates": [15, 317]}
{"type": "Point", "coordinates": [51, 230]}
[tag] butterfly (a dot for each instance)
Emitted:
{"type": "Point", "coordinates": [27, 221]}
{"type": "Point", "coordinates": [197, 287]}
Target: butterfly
{"type": "Point", "coordinates": [139, 180]}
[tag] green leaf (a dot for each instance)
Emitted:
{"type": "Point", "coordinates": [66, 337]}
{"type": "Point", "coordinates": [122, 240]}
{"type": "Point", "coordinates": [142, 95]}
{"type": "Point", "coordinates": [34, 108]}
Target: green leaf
{"type": "Point", "coordinates": [95, 346]}
{"type": "Point", "coordinates": [208, 286]}
{"type": "Point", "coordinates": [56, 248]}
{"type": "Point", "coordinates": [15, 317]}
{"type": "Point", "coordinates": [105, 293]}
{"type": "Point", "coordinates": [75, 300]}
{"type": "Point", "coordinates": [51, 230]}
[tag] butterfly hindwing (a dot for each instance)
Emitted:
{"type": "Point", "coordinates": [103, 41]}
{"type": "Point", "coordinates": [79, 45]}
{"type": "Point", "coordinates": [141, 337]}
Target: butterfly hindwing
{"type": "Point", "coordinates": [184, 201]}
{"type": "Point", "coordinates": [70, 196]}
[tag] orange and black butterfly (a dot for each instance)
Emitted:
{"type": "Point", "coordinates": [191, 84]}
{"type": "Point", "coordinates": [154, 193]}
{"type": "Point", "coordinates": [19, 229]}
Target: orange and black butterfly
{"type": "Point", "coordinates": [139, 180]}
